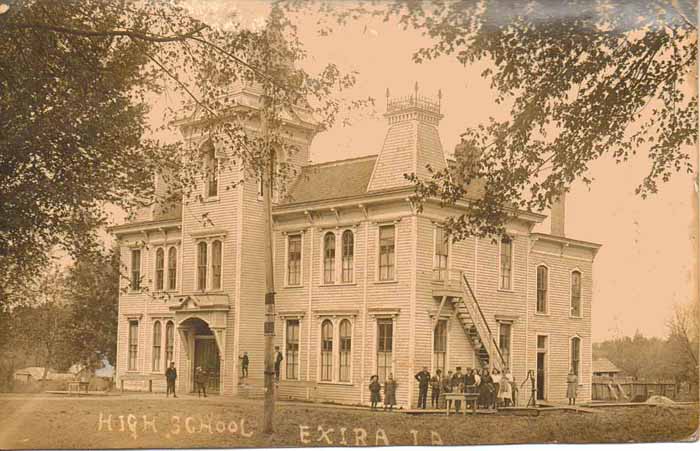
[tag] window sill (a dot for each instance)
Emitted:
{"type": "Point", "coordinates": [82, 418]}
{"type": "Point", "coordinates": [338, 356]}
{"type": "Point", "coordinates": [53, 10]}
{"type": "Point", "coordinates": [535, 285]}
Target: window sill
{"type": "Point", "coordinates": [506, 290]}
{"type": "Point", "coordinates": [380, 282]}
{"type": "Point", "coordinates": [575, 317]}
{"type": "Point", "coordinates": [294, 286]}
{"type": "Point", "coordinates": [545, 315]}
{"type": "Point", "coordinates": [348, 384]}
{"type": "Point", "coordinates": [130, 291]}
{"type": "Point", "coordinates": [211, 199]}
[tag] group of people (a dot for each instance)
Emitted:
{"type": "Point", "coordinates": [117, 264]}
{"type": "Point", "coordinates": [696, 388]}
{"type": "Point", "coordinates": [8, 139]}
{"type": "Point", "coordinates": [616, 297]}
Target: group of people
{"type": "Point", "coordinates": [494, 388]}
{"type": "Point", "coordinates": [375, 389]}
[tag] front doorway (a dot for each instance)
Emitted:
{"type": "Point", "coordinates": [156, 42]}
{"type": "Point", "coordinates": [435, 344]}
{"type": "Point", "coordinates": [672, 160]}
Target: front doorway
{"type": "Point", "coordinates": [206, 355]}
{"type": "Point", "coordinates": [541, 366]}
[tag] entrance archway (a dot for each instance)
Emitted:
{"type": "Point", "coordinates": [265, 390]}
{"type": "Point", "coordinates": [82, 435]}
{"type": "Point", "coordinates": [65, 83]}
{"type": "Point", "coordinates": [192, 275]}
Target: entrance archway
{"type": "Point", "coordinates": [205, 353]}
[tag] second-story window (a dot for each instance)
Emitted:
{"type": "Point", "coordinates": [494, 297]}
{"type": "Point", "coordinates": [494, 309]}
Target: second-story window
{"type": "Point", "coordinates": [329, 258]}
{"type": "Point", "coordinates": [576, 293]}
{"type": "Point", "coordinates": [135, 269]}
{"type": "Point", "coordinates": [506, 263]}
{"type": "Point", "coordinates": [216, 265]}
{"type": "Point", "coordinates": [440, 256]}
{"type": "Point", "coordinates": [348, 256]}
{"type": "Point", "coordinates": [542, 276]}
{"type": "Point", "coordinates": [211, 168]}
{"type": "Point", "coordinates": [202, 266]}
{"type": "Point", "coordinates": [386, 252]}
{"type": "Point", "coordinates": [160, 264]}
{"type": "Point", "coordinates": [294, 260]}
{"type": "Point", "coordinates": [172, 268]}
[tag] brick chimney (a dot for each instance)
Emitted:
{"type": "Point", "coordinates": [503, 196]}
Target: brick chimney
{"type": "Point", "coordinates": [558, 215]}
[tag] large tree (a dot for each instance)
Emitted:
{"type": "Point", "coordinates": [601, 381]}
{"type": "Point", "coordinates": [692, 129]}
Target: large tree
{"type": "Point", "coordinates": [76, 81]}
{"type": "Point", "coordinates": [578, 80]}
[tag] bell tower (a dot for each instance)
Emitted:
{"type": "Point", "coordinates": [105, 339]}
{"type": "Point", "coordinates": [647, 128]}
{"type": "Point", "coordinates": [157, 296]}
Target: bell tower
{"type": "Point", "coordinates": [412, 140]}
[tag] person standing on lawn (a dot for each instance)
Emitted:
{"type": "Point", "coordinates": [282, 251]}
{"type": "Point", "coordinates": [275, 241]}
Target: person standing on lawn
{"type": "Point", "coordinates": [390, 392]}
{"type": "Point", "coordinates": [201, 379]}
{"type": "Point", "coordinates": [170, 376]}
{"type": "Point", "coordinates": [435, 383]}
{"type": "Point", "coordinates": [571, 387]}
{"type": "Point", "coordinates": [374, 389]}
{"type": "Point", "coordinates": [278, 363]}
{"type": "Point", "coordinates": [423, 378]}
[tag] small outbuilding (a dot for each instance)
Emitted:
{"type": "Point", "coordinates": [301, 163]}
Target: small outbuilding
{"type": "Point", "coordinates": [604, 367]}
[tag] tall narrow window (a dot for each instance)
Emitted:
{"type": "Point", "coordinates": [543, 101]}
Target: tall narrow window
{"type": "Point", "coordinates": [506, 263]}
{"type": "Point", "coordinates": [212, 171]}
{"type": "Point", "coordinates": [136, 269]}
{"type": "Point", "coordinates": [169, 342]}
{"type": "Point", "coordinates": [216, 265]}
{"type": "Point", "coordinates": [156, 347]}
{"type": "Point", "coordinates": [576, 293]}
{"type": "Point", "coordinates": [133, 345]}
{"type": "Point", "coordinates": [386, 252]}
{"type": "Point", "coordinates": [292, 348]}
{"type": "Point", "coordinates": [440, 256]}
{"type": "Point", "coordinates": [172, 268]}
{"type": "Point", "coordinates": [440, 346]}
{"type": "Point", "coordinates": [326, 350]}
{"type": "Point", "coordinates": [294, 260]}
{"type": "Point", "coordinates": [542, 281]}
{"type": "Point", "coordinates": [202, 266]}
{"type": "Point", "coordinates": [345, 334]}
{"type": "Point", "coordinates": [329, 257]}
{"type": "Point", "coordinates": [576, 355]}
{"type": "Point", "coordinates": [160, 263]}
{"type": "Point", "coordinates": [385, 339]}
{"type": "Point", "coordinates": [348, 256]}
{"type": "Point", "coordinates": [504, 331]}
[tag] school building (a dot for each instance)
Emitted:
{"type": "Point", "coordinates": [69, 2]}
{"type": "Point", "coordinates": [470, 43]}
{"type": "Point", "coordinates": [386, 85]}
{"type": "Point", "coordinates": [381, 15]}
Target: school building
{"type": "Point", "coordinates": [366, 284]}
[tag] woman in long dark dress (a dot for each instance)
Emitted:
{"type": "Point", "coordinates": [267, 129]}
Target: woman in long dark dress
{"type": "Point", "coordinates": [485, 389]}
{"type": "Point", "coordinates": [390, 392]}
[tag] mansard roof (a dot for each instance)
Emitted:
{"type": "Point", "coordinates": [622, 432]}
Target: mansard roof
{"type": "Point", "coordinates": [332, 180]}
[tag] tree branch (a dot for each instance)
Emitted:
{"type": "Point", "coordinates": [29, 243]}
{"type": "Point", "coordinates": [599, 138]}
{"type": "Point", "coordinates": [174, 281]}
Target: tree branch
{"type": "Point", "coordinates": [106, 33]}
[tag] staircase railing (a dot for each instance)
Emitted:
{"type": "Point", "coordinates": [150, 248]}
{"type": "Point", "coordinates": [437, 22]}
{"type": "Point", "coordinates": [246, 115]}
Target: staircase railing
{"type": "Point", "coordinates": [482, 326]}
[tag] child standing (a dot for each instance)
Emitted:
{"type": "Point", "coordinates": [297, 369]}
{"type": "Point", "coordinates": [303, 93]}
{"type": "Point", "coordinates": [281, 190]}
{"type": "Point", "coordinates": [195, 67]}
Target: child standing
{"type": "Point", "coordinates": [390, 392]}
{"type": "Point", "coordinates": [374, 388]}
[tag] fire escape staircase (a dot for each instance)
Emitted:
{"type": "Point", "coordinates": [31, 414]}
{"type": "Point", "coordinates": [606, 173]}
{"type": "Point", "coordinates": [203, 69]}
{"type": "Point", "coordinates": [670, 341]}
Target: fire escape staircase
{"type": "Point", "coordinates": [468, 311]}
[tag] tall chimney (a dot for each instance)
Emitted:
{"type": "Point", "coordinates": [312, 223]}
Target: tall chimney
{"type": "Point", "coordinates": [558, 215]}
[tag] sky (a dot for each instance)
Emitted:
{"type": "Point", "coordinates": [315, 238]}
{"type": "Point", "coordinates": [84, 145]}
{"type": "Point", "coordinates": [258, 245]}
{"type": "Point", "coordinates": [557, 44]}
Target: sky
{"type": "Point", "coordinates": [646, 262]}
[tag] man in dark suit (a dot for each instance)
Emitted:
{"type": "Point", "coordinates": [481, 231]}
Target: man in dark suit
{"type": "Point", "coordinates": [170, 376]}
{"type": "Point", "coordinates": [278, 362]}
{"type": "Point", "coordinates": [423, 378]}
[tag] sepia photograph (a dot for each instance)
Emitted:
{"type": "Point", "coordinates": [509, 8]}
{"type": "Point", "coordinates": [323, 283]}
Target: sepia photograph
{"type": "Point", "coordinates": [238, 224]}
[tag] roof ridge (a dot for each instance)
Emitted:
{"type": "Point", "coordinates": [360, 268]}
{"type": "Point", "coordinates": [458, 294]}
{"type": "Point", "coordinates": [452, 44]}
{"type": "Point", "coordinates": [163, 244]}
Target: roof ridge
{"type": "Point", "coordinates": [335, 162]}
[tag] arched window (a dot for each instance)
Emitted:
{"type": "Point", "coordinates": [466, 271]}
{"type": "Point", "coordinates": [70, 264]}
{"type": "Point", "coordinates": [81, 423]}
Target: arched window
{"type": "Point", "coordinates": [326, 350]}
{"type": "Point", "coordinates": [216, 265]}
{"type": "Point", "coordinates": [160, 263]}
{"type": "Point", "coordinates": [576, 355]}
{"type": "Point", "coordinates": [202, 266]}
{"type": "Point", "coordinates": [211, 168]}
{"type": "Point", "coordinates": [345, 349]}
{"type": "Point", "coordinates": [576, 293]}
{"type": "Point", "coordinates": [348, 256]}
{"type": "Point", "coordinates": [542, 282]}
{"type": "Point", "coordinates": [329, 258]}
{"type": "Point", "coordinates": [135, 269]}
{"type": "Point", "coordinates": [172, 268]}
{"type": "Point", "coordinates": [506, 263]}
{"type": "Point", "coordinates": [156, 346]}
{"type": "Point", "coordinates": [169, 342]}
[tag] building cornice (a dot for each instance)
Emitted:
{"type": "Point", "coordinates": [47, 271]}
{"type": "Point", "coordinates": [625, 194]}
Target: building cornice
{"type": "Point", "coordinates": [143, 226]}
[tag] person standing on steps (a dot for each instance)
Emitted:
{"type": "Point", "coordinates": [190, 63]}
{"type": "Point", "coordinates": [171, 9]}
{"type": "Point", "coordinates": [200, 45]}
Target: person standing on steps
{"type": "Point", "coordinates": [170, 376]}
{"type": "Point", "coordinates": [423, 378]}
{"type": "Point", "coordinates": [278, 363]}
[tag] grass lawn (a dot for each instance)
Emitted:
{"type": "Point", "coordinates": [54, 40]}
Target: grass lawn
{"type": "Point", "coordinates": [131, 421]}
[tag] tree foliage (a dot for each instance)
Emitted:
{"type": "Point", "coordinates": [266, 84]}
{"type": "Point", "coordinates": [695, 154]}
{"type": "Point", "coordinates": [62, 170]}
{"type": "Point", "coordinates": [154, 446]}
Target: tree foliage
{"type": "Point", "coordinates": [579, 80]}
{"type": "Point", "coordinates": [76, 81]}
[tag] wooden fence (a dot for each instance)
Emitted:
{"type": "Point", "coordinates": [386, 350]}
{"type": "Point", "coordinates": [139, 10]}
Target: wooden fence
{"type": "Point", "coordinates": [621, 389]}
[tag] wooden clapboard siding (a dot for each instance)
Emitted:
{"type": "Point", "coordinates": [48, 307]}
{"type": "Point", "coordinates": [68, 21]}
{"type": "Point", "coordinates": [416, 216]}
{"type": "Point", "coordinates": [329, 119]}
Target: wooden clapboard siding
{"type": "Point", "coordinates": [557, 323]}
